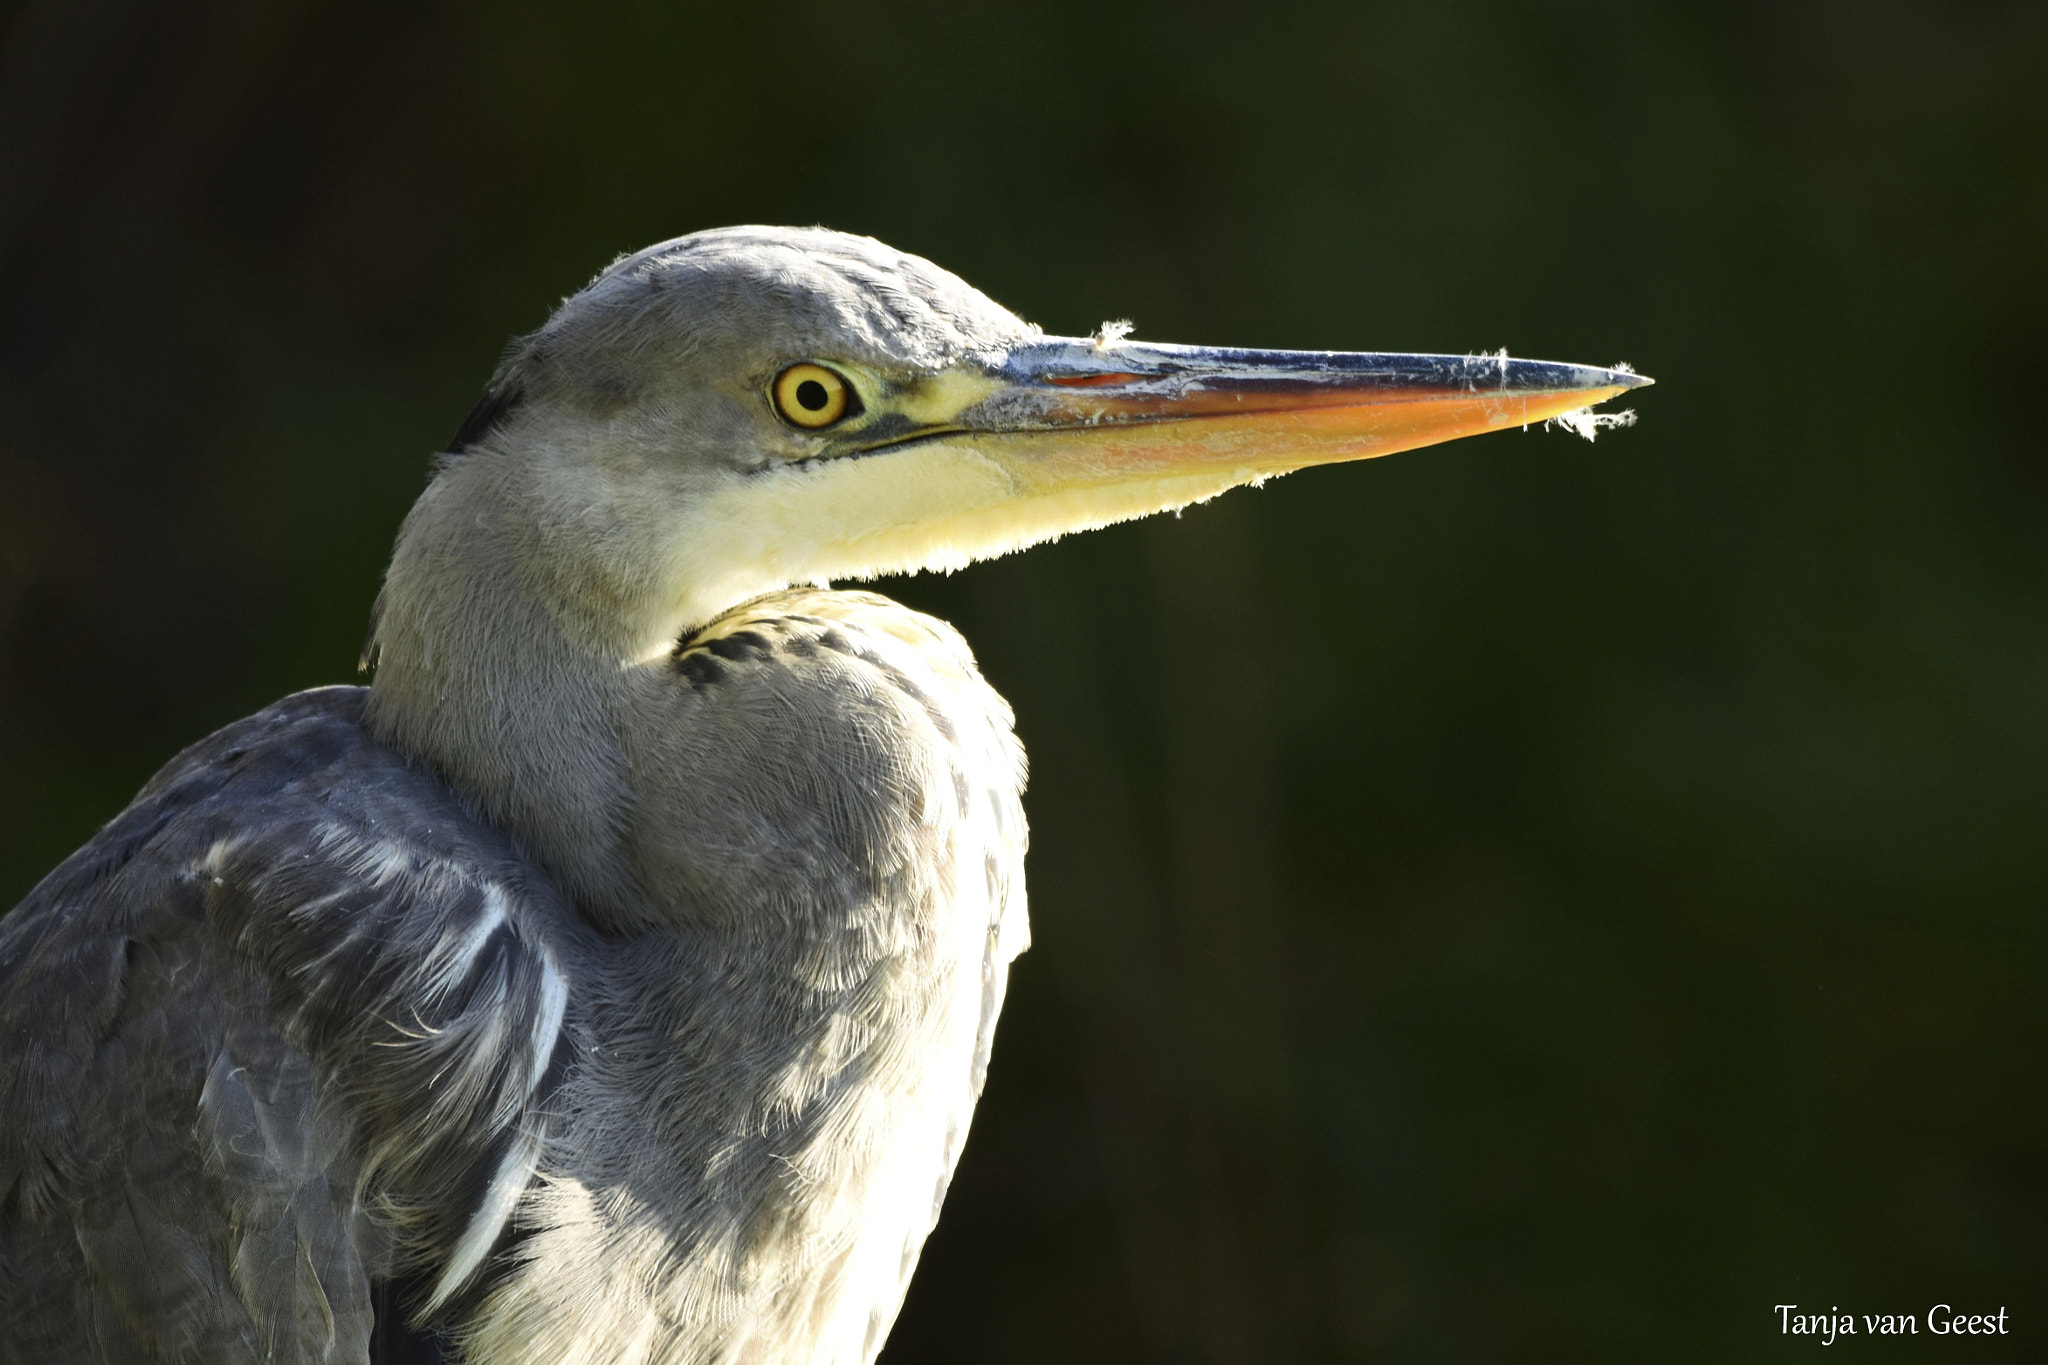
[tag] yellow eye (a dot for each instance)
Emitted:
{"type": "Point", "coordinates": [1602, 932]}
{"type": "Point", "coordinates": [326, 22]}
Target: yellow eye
{"type": "Point", "coordinates": [812, 396]}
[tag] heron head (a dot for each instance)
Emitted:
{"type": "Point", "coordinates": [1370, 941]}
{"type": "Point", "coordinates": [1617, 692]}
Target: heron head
{"type": "Point", "coordinates": [748, 408]}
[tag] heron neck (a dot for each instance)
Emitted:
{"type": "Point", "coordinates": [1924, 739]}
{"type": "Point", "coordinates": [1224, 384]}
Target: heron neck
{"type": "Point", "coordinates": [486, 675]}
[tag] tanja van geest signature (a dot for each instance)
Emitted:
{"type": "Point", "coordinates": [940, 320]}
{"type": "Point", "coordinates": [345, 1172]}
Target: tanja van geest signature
{"type": "Point", "coordinates": [1942, 1321]}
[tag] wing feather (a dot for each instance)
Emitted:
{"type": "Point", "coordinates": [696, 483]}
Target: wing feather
{"type": "Point", "coordinates": [283, 1032]}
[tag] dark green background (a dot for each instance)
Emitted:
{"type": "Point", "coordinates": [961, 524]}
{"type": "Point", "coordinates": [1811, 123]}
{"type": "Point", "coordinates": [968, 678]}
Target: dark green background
{"type": "Point", "coordinates": [1520, 900]}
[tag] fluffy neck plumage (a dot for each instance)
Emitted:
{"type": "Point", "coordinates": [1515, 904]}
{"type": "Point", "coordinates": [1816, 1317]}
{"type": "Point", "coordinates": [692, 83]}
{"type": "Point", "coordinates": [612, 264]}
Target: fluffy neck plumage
{"type": "Point", "coordinates": [487, 673]}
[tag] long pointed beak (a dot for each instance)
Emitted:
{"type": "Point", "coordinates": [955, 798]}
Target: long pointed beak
{"type": "Point", "coordinates": [1269, 412]}
{"type": "Point", "coordinates": [1057, 435]}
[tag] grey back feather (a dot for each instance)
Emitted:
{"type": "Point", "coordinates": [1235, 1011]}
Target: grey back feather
{"type": "Point", "coordinates": [270, 1032]}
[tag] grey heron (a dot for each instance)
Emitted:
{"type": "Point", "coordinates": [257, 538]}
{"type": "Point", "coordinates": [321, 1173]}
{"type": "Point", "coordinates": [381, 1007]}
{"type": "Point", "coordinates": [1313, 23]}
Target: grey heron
{"type": "Point", "coordinates": [613, 979]}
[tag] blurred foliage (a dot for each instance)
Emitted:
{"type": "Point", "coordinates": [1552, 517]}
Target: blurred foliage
{"type": "Point", "coordinates": [1514, 901]}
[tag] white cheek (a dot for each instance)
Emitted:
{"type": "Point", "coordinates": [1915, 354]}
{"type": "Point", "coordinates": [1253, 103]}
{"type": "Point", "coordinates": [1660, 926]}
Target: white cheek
{"type": "Point", "coordinates": [937, 506]}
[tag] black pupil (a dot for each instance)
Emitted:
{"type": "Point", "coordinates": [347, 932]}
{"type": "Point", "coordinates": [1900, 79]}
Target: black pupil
{"type": "Point", "coordinates": [811, 396]}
